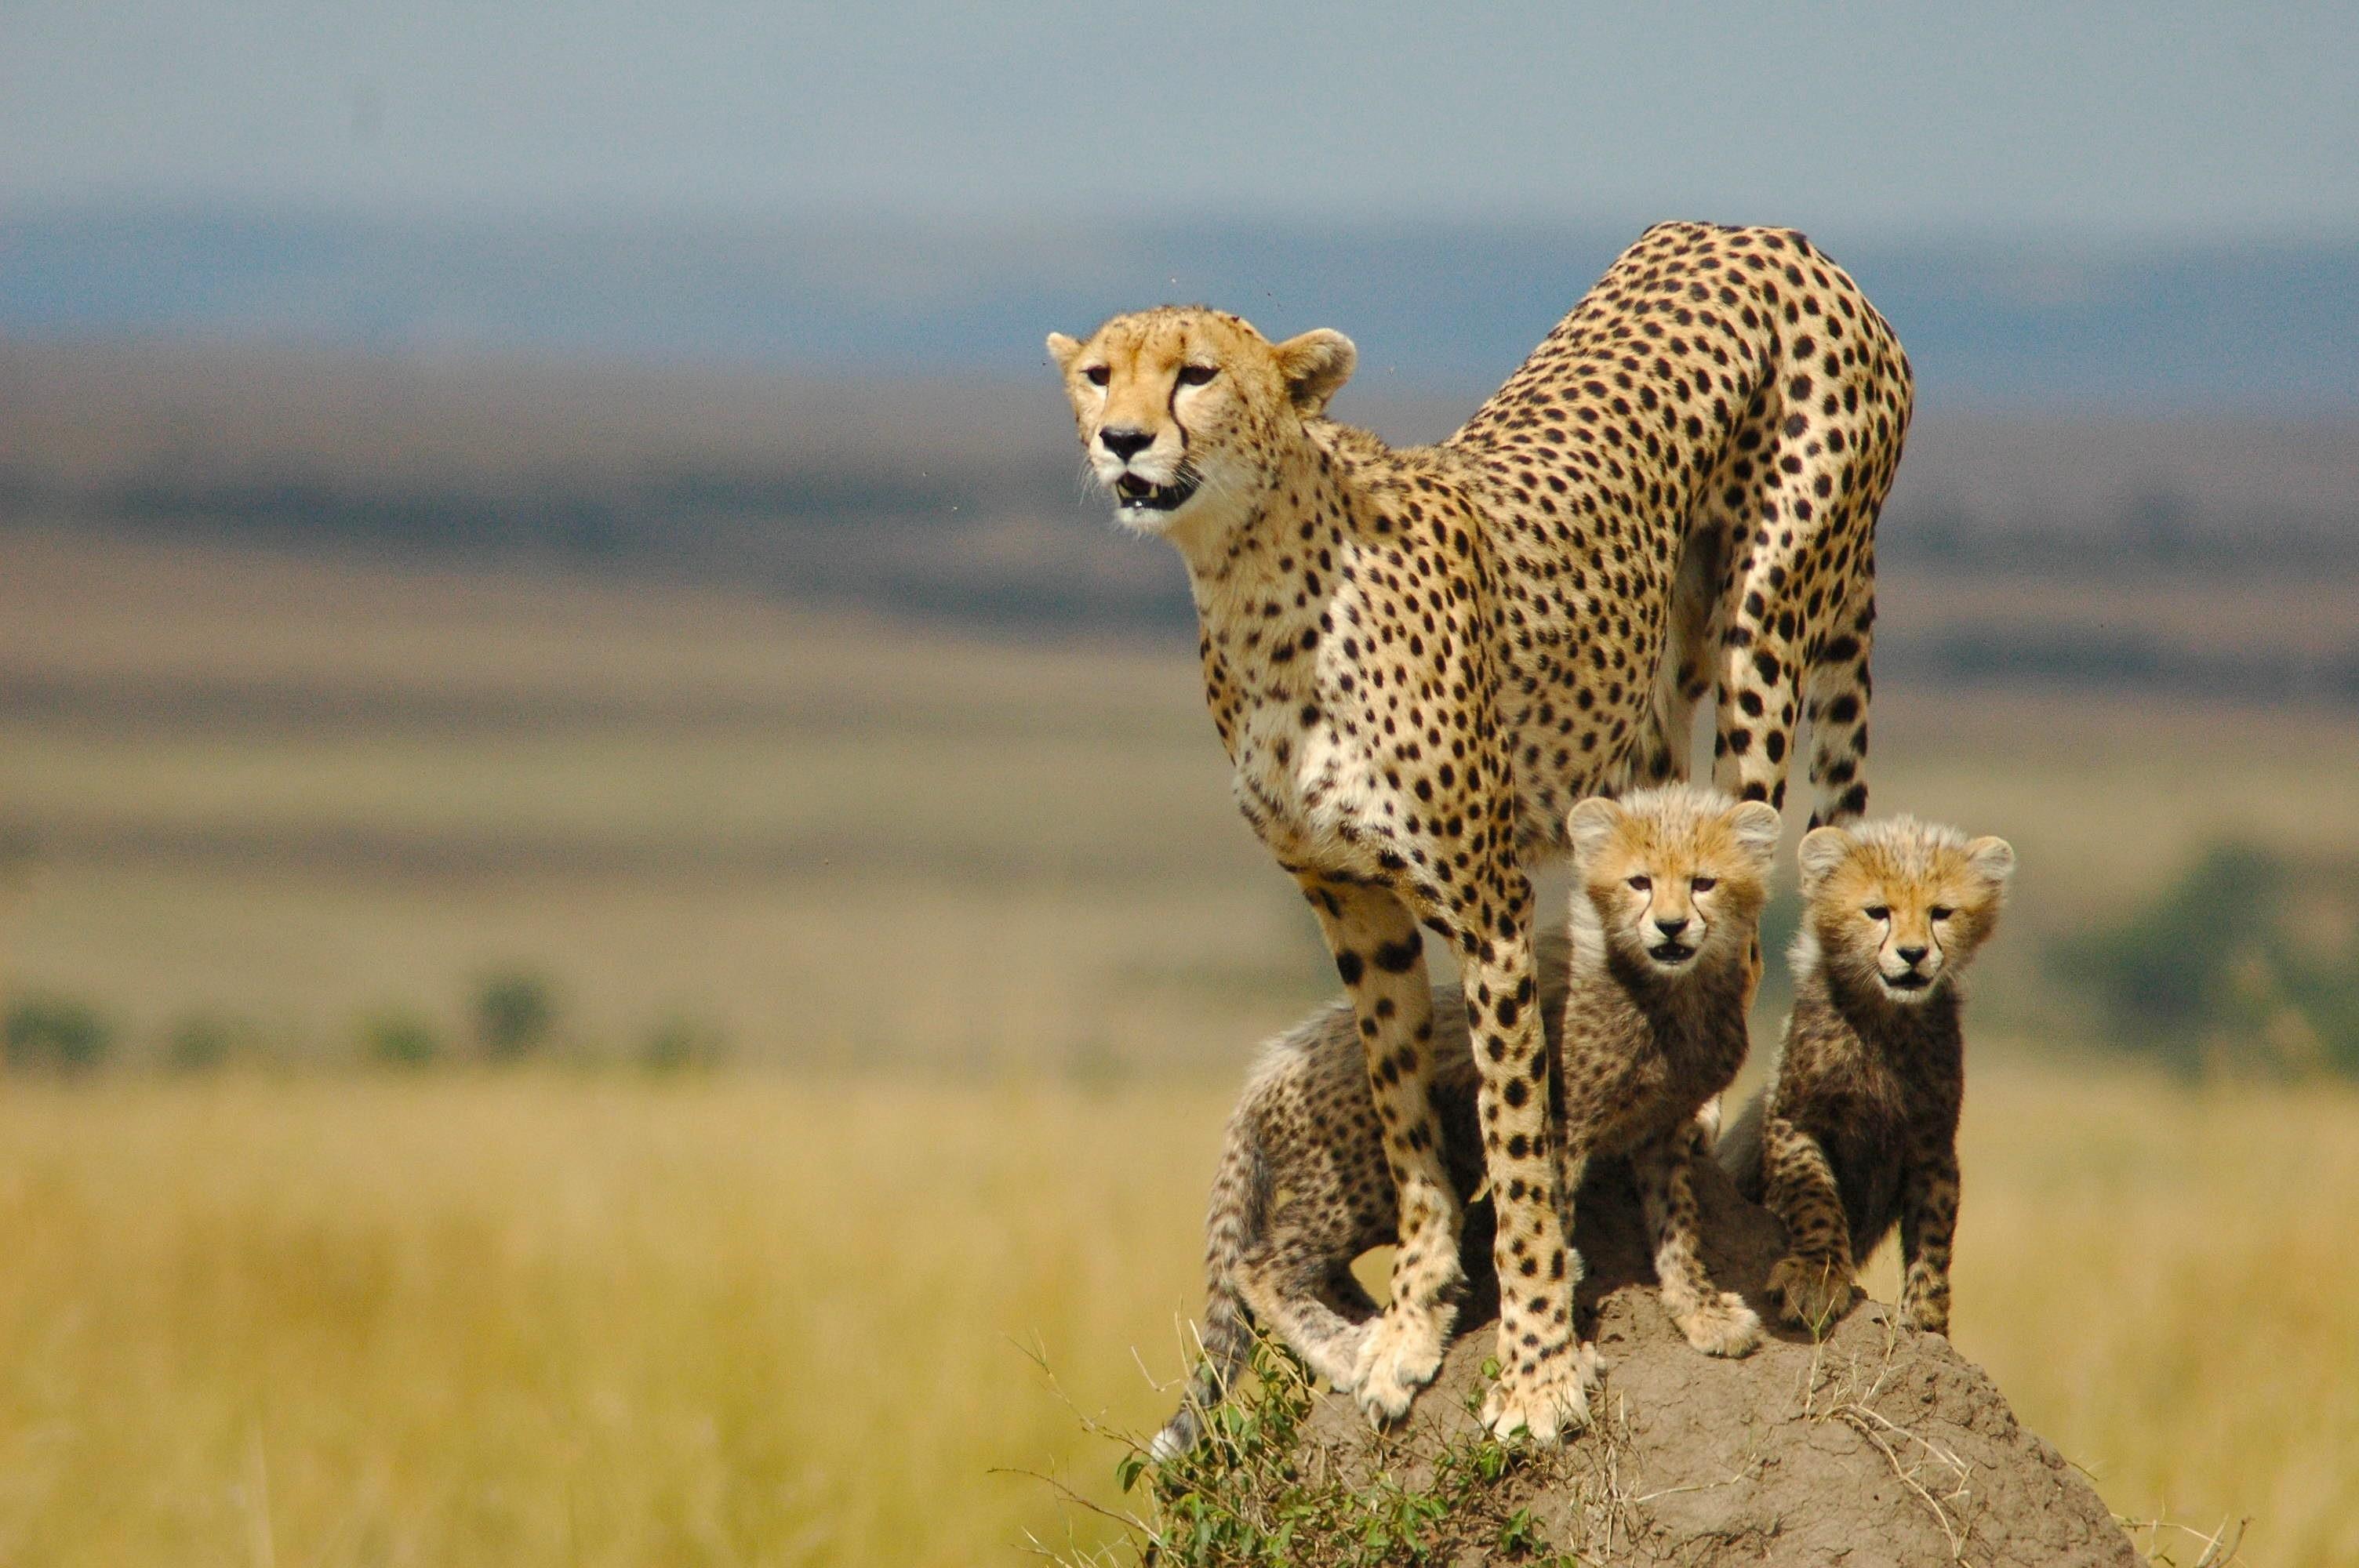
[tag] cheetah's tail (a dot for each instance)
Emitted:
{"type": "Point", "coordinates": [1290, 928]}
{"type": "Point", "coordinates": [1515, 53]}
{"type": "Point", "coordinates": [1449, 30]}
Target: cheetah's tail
{"type": "Point", "coordinates": [1739, 1149]}
{"type": "Point", "coordinates": [1238, 1220]}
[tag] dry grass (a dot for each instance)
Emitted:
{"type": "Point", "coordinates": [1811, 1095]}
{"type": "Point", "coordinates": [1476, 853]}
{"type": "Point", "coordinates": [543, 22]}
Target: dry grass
{"type": "Point", "coordinates": [2164, 1283]}
{"type": "Point", "coordinates": [551, 1319]}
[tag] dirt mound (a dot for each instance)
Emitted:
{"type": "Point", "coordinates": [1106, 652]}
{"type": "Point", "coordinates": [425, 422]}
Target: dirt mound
{"type": "Point", "coordinates": [1879, 1446]}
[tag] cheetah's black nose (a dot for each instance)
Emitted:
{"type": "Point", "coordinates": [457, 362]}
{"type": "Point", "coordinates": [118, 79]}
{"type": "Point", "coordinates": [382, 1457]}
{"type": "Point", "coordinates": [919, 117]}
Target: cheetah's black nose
{"type": "Point", "coordinates": [1670, 927]}
{"type": "Point", "coordinates": [1126, 443]}
{"type": "Point", "coordinates": [1912, 956]}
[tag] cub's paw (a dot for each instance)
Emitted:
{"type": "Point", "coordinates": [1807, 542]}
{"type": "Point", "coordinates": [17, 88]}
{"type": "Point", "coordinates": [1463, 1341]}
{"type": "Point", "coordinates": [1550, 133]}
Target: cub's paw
{"type": "Point", "coordinates": [1339, 1357]}
{"type": "Point", "coordinates": [1723, 1325]}
{"type": "Point", "coordinates": [1397, 1356]}
{"type": "Point", "coordinates": [1590, 1366]}
{"type": "Point", "coordinates": [1812, 1293]}
{"type": "Point", "coordinates": [1544, 1406]}
{"type": "Point", "coordinates": [1932, 1316]}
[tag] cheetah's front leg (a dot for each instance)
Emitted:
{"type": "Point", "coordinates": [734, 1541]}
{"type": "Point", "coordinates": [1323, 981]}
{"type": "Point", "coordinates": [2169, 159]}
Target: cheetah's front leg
{"type": "Point", "coordinates": [1544, 1372]}
{"type": "Point", "coordinates": [1928, 1218]}
{"type": "Point", "coordinates": [1716, 1322]}
{"type": "Point", "coordinates": [1814, 1282]}
{"type": "Point", "coordinates": [1381, 956]}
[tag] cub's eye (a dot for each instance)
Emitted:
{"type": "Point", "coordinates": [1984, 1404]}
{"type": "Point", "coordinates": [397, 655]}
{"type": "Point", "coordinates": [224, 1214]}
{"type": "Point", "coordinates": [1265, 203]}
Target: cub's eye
{"type": "Point", "coordinates": [1878, 912]}
{"type": "Point", "coordinates": [1703, 884]}
{"type": "Point", "coordinates": [1095, 375]}
{"type": "Point", "coordinates": [1942, 912]}
{"type": "Point", "coordinates": [1197, 375]}
{"type": "Point", "coordinates": [1642, 883]}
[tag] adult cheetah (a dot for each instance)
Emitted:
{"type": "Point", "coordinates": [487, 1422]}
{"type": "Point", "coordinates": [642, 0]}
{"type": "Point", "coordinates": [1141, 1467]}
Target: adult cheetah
{"type": "Point", "coordinates": [1418, 659]}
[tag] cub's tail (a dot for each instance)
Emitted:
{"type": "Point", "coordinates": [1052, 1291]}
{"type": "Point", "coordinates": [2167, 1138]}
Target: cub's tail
{"type": "Point", "coordinates": [1238, 1218]}
{"type": "Point", "coordinates": [1739, 1149]}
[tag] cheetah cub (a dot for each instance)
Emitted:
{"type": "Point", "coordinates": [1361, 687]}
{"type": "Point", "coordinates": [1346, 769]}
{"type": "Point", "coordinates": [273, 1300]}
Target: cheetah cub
{"type": "Point", "coordinates": [1667, 890]}
{"type": "Point", "coordinates": [1303, 1186]}
{"type": "Point", "coordinates": [1303, 1189]}
{"type": "Point", "coordinates": [1857, 1128]}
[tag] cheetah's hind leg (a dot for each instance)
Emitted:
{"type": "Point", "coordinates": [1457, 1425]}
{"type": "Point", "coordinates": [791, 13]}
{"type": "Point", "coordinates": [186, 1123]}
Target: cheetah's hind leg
{"type": "Point", "coordinates": [1297, 1304]}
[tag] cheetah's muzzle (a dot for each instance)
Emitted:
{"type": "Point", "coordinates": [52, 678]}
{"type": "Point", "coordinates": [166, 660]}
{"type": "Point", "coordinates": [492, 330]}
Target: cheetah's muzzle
{"type": "Point", "coordinates": [1135, 494]}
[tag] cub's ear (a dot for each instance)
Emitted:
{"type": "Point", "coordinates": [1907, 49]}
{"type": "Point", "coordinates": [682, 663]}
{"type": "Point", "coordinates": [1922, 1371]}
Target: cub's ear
{"type": "Point", "coordinates": [1063, 348]}
{"type": "Point", "coordinates": [1590, 825]}
{"type": "Point", "coordinates": [1993, 859]}
{"type": "Point", "coordinates": [1755, 824]}
{"type": "Point", "coordinates": [1823, 850]}
{"type": "Point", "coordinates": [1316, 365]}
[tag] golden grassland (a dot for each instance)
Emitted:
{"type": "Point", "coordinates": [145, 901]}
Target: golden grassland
{"type": "Point", "coordinates": [991, 907]}
{"type": "Point", "coordinates": [566, 1319]}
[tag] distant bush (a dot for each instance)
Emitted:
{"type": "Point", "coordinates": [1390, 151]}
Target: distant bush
{"type": "Point", "coordinates": [516, 1013]}
{"type": "Point", "coordinates": [54, 1034]}
{"type": "Point", "coordinates": [398, 1037]}
{"type": "Point", "coordinates": [683, 1043]}
{"type": "Point", "coordinates": [2247, 956]}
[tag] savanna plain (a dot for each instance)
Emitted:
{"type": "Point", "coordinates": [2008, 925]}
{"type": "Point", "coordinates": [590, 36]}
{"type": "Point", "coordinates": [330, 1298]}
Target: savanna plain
{"type": "Point", "coordinates": [974, 952]}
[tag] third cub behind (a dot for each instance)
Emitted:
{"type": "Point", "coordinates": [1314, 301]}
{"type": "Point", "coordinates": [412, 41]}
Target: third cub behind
{"type": "Point", "coordinates": [1857, 1129]}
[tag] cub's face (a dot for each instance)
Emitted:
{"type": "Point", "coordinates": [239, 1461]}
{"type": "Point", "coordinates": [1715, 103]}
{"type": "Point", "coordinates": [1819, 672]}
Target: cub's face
{"type": "Point", "coordinates": [1180, 409]}
{"type": "Point", "coordinates": [1902, 906]}
{"type": "Point", "coordinates": [1677, 875]}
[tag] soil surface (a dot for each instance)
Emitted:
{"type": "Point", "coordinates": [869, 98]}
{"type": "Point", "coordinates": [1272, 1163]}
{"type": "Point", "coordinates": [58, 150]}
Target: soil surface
{"type": "Point", "coordinates": [1880, 1446]}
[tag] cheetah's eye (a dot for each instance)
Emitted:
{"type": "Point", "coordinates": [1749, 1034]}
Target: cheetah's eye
{"type": "Point", "coordinates": [1197, 375]}
{"type": "Point", "coordinates": [1942, 912]}
{"type": "Point", "coordinates": [1703, 884]}
{"type": "Point", "coordinates": [1878, 912]}
{"type": "Point", "coordinates": [1096, 375]}
{"type": "Point", "coordinates": [1642, 883]}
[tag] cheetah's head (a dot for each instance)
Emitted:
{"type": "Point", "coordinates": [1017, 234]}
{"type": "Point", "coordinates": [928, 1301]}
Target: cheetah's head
{"type": "Point", "coordinates": [1180, 408]}
{"type": "Point", "coordinates": [1897, 907]}
{"type": "Point", "coordinates": [1672, 878]}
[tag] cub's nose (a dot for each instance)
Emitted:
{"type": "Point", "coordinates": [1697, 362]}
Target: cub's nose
{"type": "Point", "coordinates": [1912, 956]}
{"type": "Point", "coordinates": [1670, 925]}
{"type": "Point", "coordinates": [1126, 443]}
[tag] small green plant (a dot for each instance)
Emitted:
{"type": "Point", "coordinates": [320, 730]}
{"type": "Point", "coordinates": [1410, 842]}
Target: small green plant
{"type": "Point", "coordinates": [54, 1034]}
{"type": "Point", "coordinates": [515, 1013]}
{"type": "Point", "coordinates": [684, 1042]}
{"type": "Point", "coordinates": [399, 1037]}
{"type": "Point", "coordinates": [1254, 1492]}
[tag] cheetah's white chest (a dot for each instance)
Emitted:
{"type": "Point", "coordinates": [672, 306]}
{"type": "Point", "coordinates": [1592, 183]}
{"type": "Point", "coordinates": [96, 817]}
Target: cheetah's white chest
{"type": "Point", "coordinates": [1312, 800]}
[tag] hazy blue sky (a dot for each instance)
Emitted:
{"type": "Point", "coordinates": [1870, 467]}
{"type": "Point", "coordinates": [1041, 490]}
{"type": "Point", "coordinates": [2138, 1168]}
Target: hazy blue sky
{"type": "Point", "coordinates": [2098, 120]}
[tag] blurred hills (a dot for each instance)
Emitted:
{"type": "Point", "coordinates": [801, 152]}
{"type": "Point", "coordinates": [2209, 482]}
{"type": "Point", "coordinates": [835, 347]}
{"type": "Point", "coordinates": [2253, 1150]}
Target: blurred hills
{"type": "Point", "coordinates": [2139, 468]}
{"type": "Point", "coordinates": [2204, 329]}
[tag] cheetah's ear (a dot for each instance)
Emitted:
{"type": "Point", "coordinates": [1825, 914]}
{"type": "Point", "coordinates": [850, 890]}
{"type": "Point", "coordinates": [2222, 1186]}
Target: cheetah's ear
{"type": "Point", "coordinates": [1063, 348]}
{"type": "Point", "coordinates": [1755, 824]}
{"type": "Point", "coordinates": [1591, 827]}
{"type": "Point", "coordinates": [1316, 365]}
{"type": "Point", "coordinates": [1823, 850]}
{"type": "Point", "coordinates": [1993, 859]}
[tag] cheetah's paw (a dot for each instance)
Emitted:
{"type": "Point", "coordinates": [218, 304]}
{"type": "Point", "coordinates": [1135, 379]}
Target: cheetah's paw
{"type": "Point", "coordinates": [1340, 1357]}
{"type": "Point", "coordinates": [1932, 1316]}
{"type": "Point", "coordinates": [1544, 1405]}
{"type": "Point", "coordinates": [1400, 1356]}
{"type": "Point", "coordinates": [1812, 1293]}
{"type": "Point", "coordinates": [1723, 1325]}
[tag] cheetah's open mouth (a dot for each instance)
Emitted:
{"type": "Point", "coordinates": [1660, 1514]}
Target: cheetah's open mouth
{"type": "Point", "coordinates": [1670, 953]}
{"type": "Point", "coordinates": [1913, 980]}
{"type": "Point", "coordinates": [1133, 493]}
